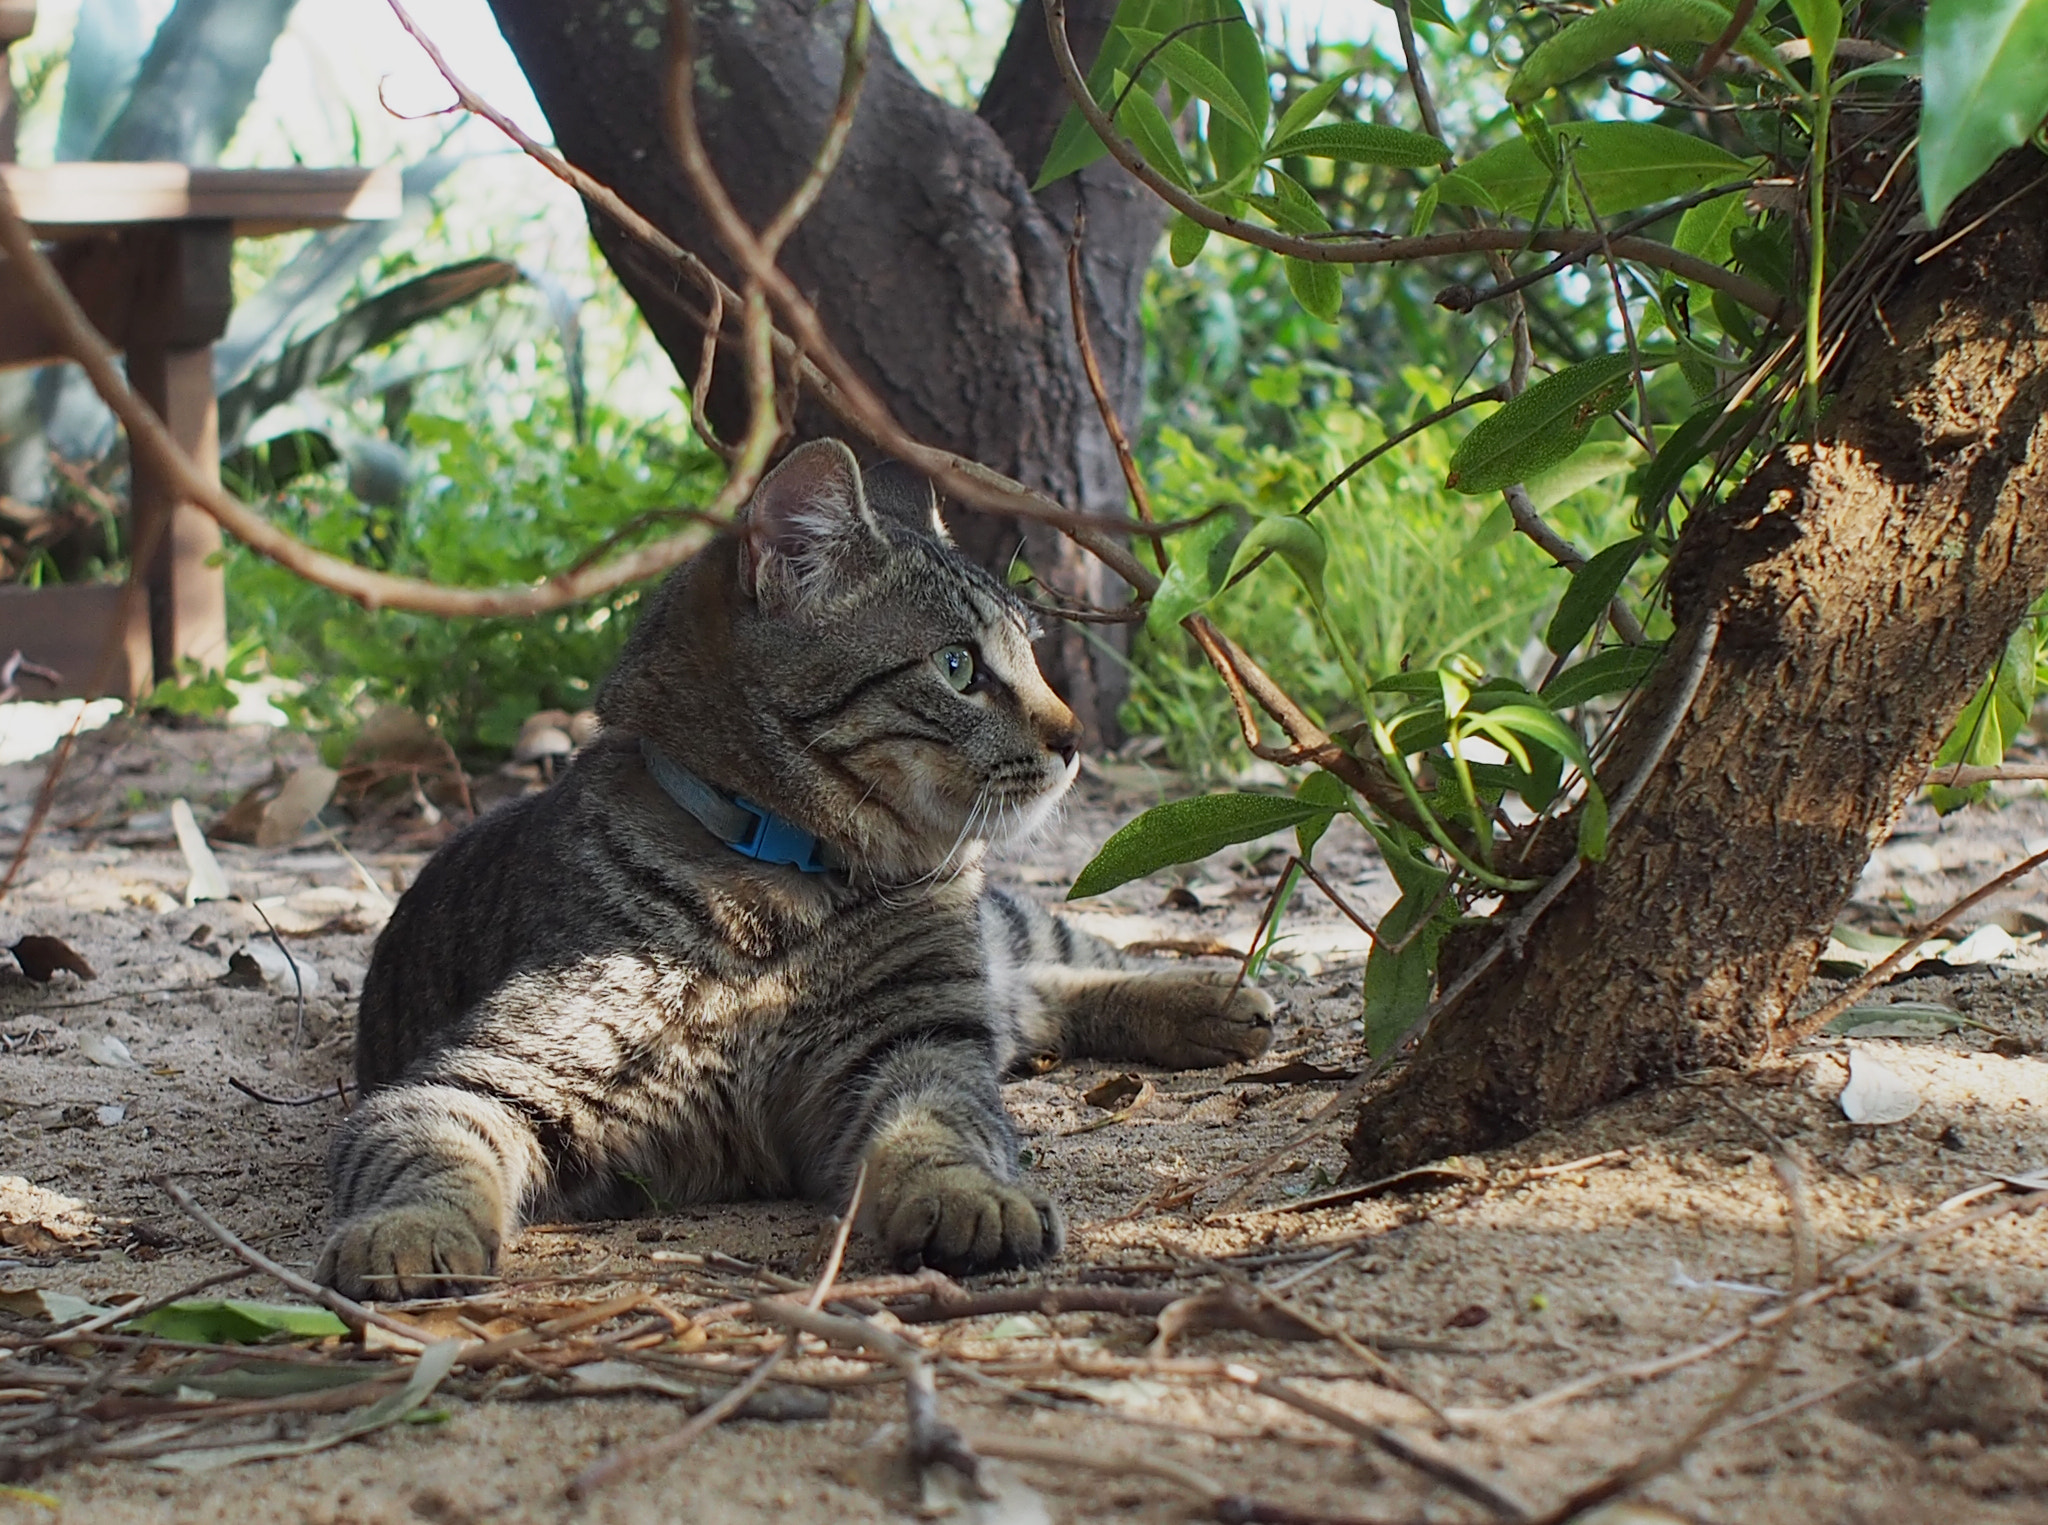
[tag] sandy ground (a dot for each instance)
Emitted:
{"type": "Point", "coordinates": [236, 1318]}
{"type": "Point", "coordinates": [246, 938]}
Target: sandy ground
{"type": "Point", "coordinates": [1488, 1285]}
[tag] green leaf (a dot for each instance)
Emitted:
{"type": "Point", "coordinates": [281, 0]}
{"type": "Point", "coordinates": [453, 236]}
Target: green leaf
{"type": "Point", "coordinates": [1295, 540]}
{"type": "Point", "coordinates": [1433, 12]}
{"type": "Point", "coordinates": [1361, 143]}
{"type": "Point", "coordinates": [1185, 240]}
{"type": "Point", "coordinates": [1899, 1019]}
{"type": "Point", "coordinates": [1596, 463]}
{"type": "Point", "coordinates": [1540, 428]}
{"type": "Point", "coordinates": [1995, 715]}
{"type": "Point", "coordinates": [1703, 433]}
{"type": "Point", "coordinates": [371, 322]}
{"type": "Point", "coordinates": [1311, 104]}
{"type": "Point", "coordinates": [1398, 986]}
{"type": "Point", "coordinates": [435, 1362]}
{"type": "Point", "coordinates": [1820, 23]}
{"type": "Point", "coordinates": [230, 1321]}
{"type": "Point", "coordinates": [1623, 165]}
{"type": "Point", "coordinates": [1146, 126]}
{"type": "Point", "coordinates": [1658, 24]}
{"type": "Point", "coordinates": [1543, 727]}
{"type": "Point", "coordinates": [1593, 586]}
{"type": "Point", "coordinates": [1704, 229]}
{"type": "Point", "coordinates": [1614, 671]}
{"type": "Point", "coordinates": [1293, 207]}
{"type": "Point", "coordinates": [1320, 788]}
{"type": "Point", "coordinates": [1986, 90]}
{"type": "Point", "coordinates": [1201, 562]}
{"type": "Point", "coordinates": [1236, 46]}
{"type": "Point", "coordinates": [1182, 831]}
{"type": "Point", "coordinates": [1194, 73]}
{"type": "Point", "coordinates": [1318, 287]}
{"type": "Point", "coordinates": [1425, 209]}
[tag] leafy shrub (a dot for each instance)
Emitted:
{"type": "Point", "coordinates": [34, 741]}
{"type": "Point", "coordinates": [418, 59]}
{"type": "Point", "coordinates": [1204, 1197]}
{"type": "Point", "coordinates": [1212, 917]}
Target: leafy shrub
{"type": "Point", "coordinates": [492, 502]}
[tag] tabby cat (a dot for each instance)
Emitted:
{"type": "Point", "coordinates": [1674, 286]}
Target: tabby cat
{"type": "Point", "coordinates": [743, 947]}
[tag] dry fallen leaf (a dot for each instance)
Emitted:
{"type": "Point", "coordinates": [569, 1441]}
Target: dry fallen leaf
{"type": "Point", "coordinates": [1116, 1092]}
{"type": "Point", "coordinates": [41, 957]}
{"type": "Point", "coordinates": [208, 882]}
{"type": "Point", "coordinates": [1874, 1094]}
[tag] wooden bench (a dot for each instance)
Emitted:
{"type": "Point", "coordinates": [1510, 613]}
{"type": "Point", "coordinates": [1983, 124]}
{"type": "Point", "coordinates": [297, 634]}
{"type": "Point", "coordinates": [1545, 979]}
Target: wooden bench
{"type": "Point", "coordinates": [146, 249]}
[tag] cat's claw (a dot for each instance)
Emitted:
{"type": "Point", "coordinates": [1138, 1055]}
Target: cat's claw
{"type": "Point", "coordinates": [959, 1218]}
{"type": "Point", "coordinates": [405, 1252]}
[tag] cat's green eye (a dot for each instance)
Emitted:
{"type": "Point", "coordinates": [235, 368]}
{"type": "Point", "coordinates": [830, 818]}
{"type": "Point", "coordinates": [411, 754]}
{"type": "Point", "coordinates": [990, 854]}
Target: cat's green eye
{"type": "Point", "coordinates": [956, 666]}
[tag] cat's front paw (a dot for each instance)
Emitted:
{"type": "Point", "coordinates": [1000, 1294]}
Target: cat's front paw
{"type": "Point", "coordinates": [959, 1218]}
{"type": "Point", "coordinates": [1207, 1023]}
{"type": "Point", "coordinates": [420, 1250]}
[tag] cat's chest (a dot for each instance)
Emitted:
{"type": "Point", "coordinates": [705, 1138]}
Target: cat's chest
{"type": "Point", "coordinates": [726, 992]}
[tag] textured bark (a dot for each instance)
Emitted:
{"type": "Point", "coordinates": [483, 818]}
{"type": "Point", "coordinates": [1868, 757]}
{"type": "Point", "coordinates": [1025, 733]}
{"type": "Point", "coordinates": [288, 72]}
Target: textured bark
{"type": "Point", "coordinates": [933, 266]}
{"type": "Point", "coordinates": [1864, 584]}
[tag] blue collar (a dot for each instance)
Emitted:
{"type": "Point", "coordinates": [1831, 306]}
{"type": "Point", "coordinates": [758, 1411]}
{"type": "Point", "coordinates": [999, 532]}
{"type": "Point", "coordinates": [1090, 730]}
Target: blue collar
{"type": "Point", "coordinates": [739, 823]}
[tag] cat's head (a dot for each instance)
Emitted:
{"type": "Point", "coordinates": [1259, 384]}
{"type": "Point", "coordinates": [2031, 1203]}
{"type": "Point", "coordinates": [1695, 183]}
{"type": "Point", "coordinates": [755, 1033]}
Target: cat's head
{"type": "Point", "coordinates": [845, 667]}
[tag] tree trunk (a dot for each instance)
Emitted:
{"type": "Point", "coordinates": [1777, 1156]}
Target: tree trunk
{"type": "Point", "coordinates": [933, 266]}
{"type": "Point", "coordinates": [1864, 585]}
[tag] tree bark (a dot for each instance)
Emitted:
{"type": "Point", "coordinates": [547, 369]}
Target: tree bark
{"type": "Point", "coordinates": [933, 266]}
{"type": "Point", "coordinates": [1864, 584]}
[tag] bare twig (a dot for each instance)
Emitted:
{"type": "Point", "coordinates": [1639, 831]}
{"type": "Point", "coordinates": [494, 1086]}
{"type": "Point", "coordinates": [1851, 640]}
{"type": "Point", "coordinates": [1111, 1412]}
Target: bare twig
{"type": "Point", "coordinates": [1141, 500]}
{"type": "Point", "coordinates": [337, 1092]}
{"type": "Point", "coordinates": [619, 1463]}
{"type": "Point", "coordinates": [1467, 298]}
{"type": "Point", "coordinates": [1437, 1468]}
{"type": "Point", "coordinates": [856, 403]}
{"type": "Point", "coordinates": [1531, 523]}
{"type": "Point", "coordinates": [1879, 972]}
{"type": "Point", "coordinates": [1380, 250]}
{"type": "Point", "coordinates": [932, 1440]}
{"type": "Point", "coordinates": [1965, 775]}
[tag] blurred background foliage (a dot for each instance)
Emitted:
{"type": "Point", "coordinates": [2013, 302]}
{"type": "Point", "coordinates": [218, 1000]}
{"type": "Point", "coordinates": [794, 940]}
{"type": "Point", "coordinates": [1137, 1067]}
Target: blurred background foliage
{"type": "Point", "coordinates": [493, 429]}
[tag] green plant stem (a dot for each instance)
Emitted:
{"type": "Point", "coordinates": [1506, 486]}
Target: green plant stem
{"type": "Point", "coordinates": [1398, 766]}
{"type": "Point", "coordinates": [1816, 215]}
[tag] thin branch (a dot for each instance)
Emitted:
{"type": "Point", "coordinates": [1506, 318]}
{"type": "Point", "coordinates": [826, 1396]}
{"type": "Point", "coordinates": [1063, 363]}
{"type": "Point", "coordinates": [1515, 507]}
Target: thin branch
{"type": "Point", "coordinates": [1466, 298]}
{"type": "Point", "coordinates": [1141, 500]}
{"type": "Point", "coordinates": [1439, 1469]}
{"type": "Point", "coordinates": [931, 1439]}
{"type": "Point", "coordinates": [853, 74]}
{"type": "Point", "coordinates": [150, 441]}
{"type": "Point", "coordinates": [1381, 250]}
{"type": "Point", "coordinates": [1882, 970]}
{"type": "Point", "coordinates": [1529, 520]}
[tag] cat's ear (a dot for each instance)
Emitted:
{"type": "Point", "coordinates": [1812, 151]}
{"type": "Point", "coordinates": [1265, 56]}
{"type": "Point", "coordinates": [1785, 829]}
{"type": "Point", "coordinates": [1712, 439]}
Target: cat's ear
{"type": "Point", "coordinates": [808, 526]}
{"type": "Point", "coordinates": [905, 494]}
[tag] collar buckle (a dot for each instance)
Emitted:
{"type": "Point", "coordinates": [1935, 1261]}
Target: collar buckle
{"type": "Point", "coordinates": [774, 840]}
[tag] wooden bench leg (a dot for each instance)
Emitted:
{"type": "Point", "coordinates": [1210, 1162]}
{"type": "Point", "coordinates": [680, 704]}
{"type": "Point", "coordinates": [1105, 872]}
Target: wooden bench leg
{"type": "Point", "coordinates": [187, 592]}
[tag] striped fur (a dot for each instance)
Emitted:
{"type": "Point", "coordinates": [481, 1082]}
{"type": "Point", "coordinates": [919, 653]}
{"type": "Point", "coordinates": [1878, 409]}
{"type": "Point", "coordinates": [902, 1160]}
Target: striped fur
{"type": "Point", "coordinates": [587, 1005]}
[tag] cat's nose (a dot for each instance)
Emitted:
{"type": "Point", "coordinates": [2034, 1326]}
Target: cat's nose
{"type": "Point", "coordinates": [1063, 739]}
